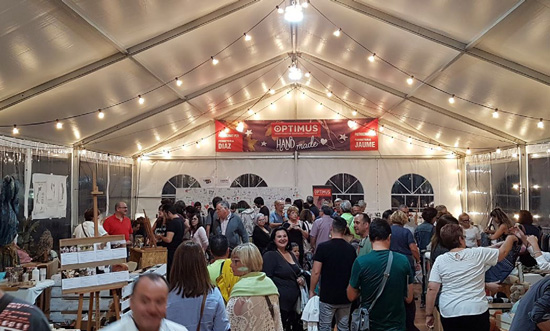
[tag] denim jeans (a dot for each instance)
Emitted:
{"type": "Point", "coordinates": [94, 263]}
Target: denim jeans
{"type": "Point", "coordinates": [502, 269]}
{"type": "Point", "coordinates": [328, 311]}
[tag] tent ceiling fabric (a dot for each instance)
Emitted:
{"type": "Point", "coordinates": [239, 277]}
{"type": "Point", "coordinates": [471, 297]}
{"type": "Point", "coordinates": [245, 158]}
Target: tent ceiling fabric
{"type": "Point", "coordinates": [70, 57]}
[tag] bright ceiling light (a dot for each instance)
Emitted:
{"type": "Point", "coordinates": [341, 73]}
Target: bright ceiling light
{"type": "Point", "coordinates": [371, 133]}
{"type": "Point", "coordinates": [15, 130]}
{"type": "Point", "coordinates": [303, 96]}
{"type": "Point", "coordinates": [307, 74]}
{"type": "Point", "coordinates": [240, 127]}
{"type": "Point", "coordinates": [214, 60]}
{"type": "Point", "coordinates": [250, 112]}
{"type": "Point", "coordinates": [515, 187]}
{"type": "Point", "coordinates": [141, 100]}
{"type": "Point", "coordinates": [337, 33]}
{"type": "Point", "coordinates": [452, 99]}
{"type": "Point", "coordinates": [410, 80]}
{"type": "Point", "coordinates": [100, 114]}
{"type": "Point", "coordinates": [382, 128]}
{"type": "Point", "coordinates": [354, 113]}
{"type": "Point", "coordinates": [294, 13]}
{"type": "Point", "coordinates": [498, 150]}
{"type": "Point", "coordinates": [178, 82]}
{"type": "Point", "coordinates": [280, 10]}
{"type": "Point", "coordinates": [320, 106]}
{"type": "Point", "coordinates": [371, 57]}
{"type": "Point", "coordinates": [439, 147]}
{"type": "Point", "coordinates": [272, 106]}
{"type": "Point", "coordinates": [58, 125]}
{"type": "Point", "coordinates": [329, 94]}
{"type": "Point", "coordinates": [247, 37]}
{"type": "Point", "coordinates": [540, 124]}
{"type": "Point", "coordinates": [272, 91]}
{"type": "Point", "coordinates": [305, 4]}
{"type": "Point", "coordinates": [139, 147]}
{"type": "Point", "coordinates": [468, 151]}
{"type": "Point", "coordinates": [294, 73]}
{"type": "Point", "coordinates": [352, 124]}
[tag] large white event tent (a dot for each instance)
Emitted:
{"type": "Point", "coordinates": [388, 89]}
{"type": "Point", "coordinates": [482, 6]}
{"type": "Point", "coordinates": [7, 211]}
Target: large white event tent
{"type": "Point", "coordinates": [132, 89]}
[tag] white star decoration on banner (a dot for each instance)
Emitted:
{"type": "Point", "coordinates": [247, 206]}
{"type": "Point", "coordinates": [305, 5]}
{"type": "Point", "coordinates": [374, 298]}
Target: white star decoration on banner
{"type": "Point", "coordinates": [343, 137]}
{"type": "Point", "coordinates": [248, 133]}
{"type": "Point", "coordinates": [264, 144]}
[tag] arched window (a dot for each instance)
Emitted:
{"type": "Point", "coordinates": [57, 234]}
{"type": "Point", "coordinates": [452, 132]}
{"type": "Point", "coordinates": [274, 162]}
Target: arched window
{"type": "Point", "coordinates": [249, 180]}
{"type": "Point", "coordinates": [179, 181]}
{"type": "Point", "coordinates": [347, 187]}
{"type": "Point", "coordinates": [412, 190]}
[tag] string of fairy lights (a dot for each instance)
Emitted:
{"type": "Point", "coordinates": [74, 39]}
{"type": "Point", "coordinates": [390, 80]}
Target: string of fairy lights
{"type": "Point", "coordinates": [293, 12]}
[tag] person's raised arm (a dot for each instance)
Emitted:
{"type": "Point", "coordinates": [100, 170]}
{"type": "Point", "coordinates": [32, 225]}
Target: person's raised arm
{"type": "Point", "coordinates": [499, 232]}
{"type": "Point", "coordinates": [505, 248]}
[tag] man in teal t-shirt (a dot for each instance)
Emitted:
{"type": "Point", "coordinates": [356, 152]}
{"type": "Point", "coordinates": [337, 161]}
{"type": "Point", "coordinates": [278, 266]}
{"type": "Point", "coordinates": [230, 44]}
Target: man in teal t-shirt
{"type": "Point", "coordinates": [388, 313]}
{"type": "Point", "coordinates": [361, 224]}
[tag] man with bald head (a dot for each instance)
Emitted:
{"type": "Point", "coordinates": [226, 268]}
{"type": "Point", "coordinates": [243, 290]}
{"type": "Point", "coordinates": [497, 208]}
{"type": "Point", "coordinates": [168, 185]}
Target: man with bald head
{"type": "Point", "coordinates": [148, 304]}
{"type": "Point", "coordinates": [118, 223]}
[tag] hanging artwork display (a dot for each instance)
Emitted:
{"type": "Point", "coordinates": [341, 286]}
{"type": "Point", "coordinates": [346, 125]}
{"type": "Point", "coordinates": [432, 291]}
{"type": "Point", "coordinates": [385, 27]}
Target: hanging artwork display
{"type": "Point", "coordinates": [298, 135]}
{"type": "Point", "coordinates": [50, 196]}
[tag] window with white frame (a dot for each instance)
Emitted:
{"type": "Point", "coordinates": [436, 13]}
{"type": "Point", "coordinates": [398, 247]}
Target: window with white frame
{"type": "Point", "coordinates": [249, 180]}
{"type": "Point", "coordinates": [179, 181]}
{"type": "Point", "coordinates": [346, 187]}
{"type": "Point", "coordinates": [412, 190]}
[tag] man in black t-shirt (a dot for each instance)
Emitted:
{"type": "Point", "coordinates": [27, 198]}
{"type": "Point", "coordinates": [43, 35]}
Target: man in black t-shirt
{"type": "Point", "coordinates": [333, 261]}
{"type": "Point", "coordinates": [16, 314]}
{"type": "Point", "coordinates": [174, 234]}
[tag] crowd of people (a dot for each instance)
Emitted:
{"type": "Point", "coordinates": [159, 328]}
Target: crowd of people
{"type": "Point", "coordinates": [235, 267]}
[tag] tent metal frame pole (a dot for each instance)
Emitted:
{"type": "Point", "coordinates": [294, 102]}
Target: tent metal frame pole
{"type": "Point", "coordinates": [523, 177]}
{"type": "Point", "coordinates": [75, 172]}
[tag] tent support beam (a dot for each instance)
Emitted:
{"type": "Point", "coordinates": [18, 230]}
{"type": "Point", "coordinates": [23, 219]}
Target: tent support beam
{"type": "Point", "coordinates": [447, 41]}
{"type": "Point", "coordinates": [415, 100]}
{"type": "Point", "coordinates": [160, 109]}
{"type": "Point", "coordinates": [115, 58]}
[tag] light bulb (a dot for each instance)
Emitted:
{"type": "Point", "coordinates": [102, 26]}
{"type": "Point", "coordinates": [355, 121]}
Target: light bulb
{"type": "Point", "coordinates": [329, 94]}
{"type": "Point", "coordinates": [100, 114]}
{"type": "Point", "coordinates": [15, 130]}
{"type": "Point", "coordinates": [294, 73]}
{"type": "Point", "coordinates": [139, 147]}
{"type": "Point", "coordinates": [214, 60]}
{"type": "Point", "coordinates": [540, 124]}
{"type": "Point", "coordinates": [303, 95]}
{"type": "Point", "coordinates": [272, 106]}
{"type": "Point", "coordinates": [183, 147]}
{"type": "Point", "coordinates": [305, 4]}
{"type": "Point", "coordinates": [498, 151]}
{"type": "Point", "coordinates": [439, 147]}
{"type": "Point", "coordinates": [256, 116]}
{"type": "Point", "coordinates": [271, 91]}
{"type": "Point", "coordinates": [308, 74]}
{"type": "Point", "coordinates": [288, 95]}
{"type": "Point", "coordinates": [371, 58]}
{"type": "Point", "coordinates": [514, 155]}
{"type": "Point", "coordinates": [468, 151]}
{"type": "Point", "coordinates": [226, 130]}
{"type": "Point", "coordinates": [141, 100]}
{"type": "Point", "coordinates": [294, 13]}
{"type": "Point", "coordinates": [391, 139]}
{"type": "Point", "coordinates": [536, 187]}
{"type": "Point", "coordinates": [409, 140]}
{"type": "Point", "coordinates": [495, 113]}
{"type": "Point", "coordinates": [280, 10]}
{"type": "Point", "coordinates": [198, 144]}
{"type": "Point", "coordinates": [178, 82]}
{"type": "Point", "coordinates": [410, 80]}
{"type": "Point", "coordinates": [337, 33]}
{"type": "Point", "coordinates": [240, 127]}
{"type": "Point", "coordinates": [250, 112]}
{"type": "Point", "coordinates": [452, 99]}
{"type": "Point", "coordinates": [247, 37]}
{"type": "Point", "coordinates": [354, 113]}
{"type": "Point", "coordinates": [58, 125]}
{"type": "Point", "coordinates": [381, 129]}
{"type": "Point", "coordinates": [515, 186]}
{"type": "Point", "coordinates": [320, 106]}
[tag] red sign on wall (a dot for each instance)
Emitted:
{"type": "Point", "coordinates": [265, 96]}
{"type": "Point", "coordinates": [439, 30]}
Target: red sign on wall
{"type": "Point", "coordinates": [295, 129]}
{"type": "Point", "coordinates": [365, 138]}
{"type": "Point", "coordinates": [228, 140]}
